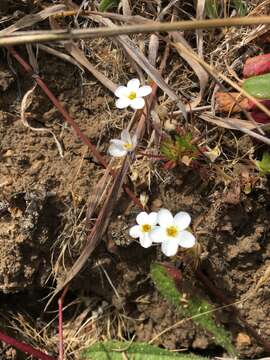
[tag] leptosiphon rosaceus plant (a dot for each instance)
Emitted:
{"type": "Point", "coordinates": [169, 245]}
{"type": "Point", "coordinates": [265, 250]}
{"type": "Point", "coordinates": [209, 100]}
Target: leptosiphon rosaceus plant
{"type": "Point", "coordinates": [191, 306]}
{"type": "Point", "coordinates": [117, 350]}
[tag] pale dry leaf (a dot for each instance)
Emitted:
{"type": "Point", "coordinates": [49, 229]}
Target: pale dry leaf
{"type": "Point", "coordinates": [32, 19]}
{"type": "Point", "coordinates": [227, 123]}
{"type": "Point", "coordinates": [98, 230]}
{"type": "Point", "coordinates": [199, 32]}
{"type": "Point", "coordinates": [236, 124]}
{"type": "Point", "coordinates": [197, 68]}
{"type": "Point", "coordinates": [126, 8]}
{"type": "Point", "coordinates": [96, 197]}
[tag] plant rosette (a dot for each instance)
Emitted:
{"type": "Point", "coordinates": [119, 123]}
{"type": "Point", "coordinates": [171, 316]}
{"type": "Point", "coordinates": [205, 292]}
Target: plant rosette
{"type": "Point", "coordinates": [132, 95]}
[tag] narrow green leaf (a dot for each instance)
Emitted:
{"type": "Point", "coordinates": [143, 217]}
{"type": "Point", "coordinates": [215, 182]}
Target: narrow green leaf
{"type": "Point", "coordinates": [107, 4]}
{"type": "Point", "coordinates": [240, 7]}
{"type": "Point", "coordinates": [258, 86]}
{"type": "Point", "coordinates": [212, 8]}
{"type": "Point", "coordinates": [189, 305]}
{"type": "Point", "coordinates": [114, 350]}
{"type": "Point", "coordinates": [264, 164]}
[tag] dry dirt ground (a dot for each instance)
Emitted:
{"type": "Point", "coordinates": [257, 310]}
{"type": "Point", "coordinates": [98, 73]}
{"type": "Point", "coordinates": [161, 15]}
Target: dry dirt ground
{"type": "Point", "coordinates": [43, 199]}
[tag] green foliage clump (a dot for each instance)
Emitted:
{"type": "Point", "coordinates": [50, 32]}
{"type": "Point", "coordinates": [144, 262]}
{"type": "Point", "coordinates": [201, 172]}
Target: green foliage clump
{"type": "Point", "coordinates": [115, 350]}
{"type": "Point", "coordinates": [175, 149]}
{"type": "Point", "coordinates": [200, 310]}
{"type": "Point", "coordinates": [264, 164]}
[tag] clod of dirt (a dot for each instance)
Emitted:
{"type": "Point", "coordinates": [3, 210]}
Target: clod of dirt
{"type": "Point", "coordinates": [6, 79]}
{"type": "Point", "coordinates": [24, 235]}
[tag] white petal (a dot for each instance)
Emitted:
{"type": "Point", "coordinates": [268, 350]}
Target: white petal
{"type": "Point", "coordinates": [182, 220]}
{"type": "Point", "coordinates": [125, 136]}
{"type": "Point", "coordinates": [158, 234]}
{"type": "Point", "coordinates": [145, 240]}
{"type": "Point", "coordinates": [137, 103]}
{"type": "Point", "coordinates": [144, 91]}
{"type": "Point", "coordinates": [135, 231]}
{"type": "Point", "coordinates": [122, 103]}
{"type": "Point", "coordinates": [169, 247]}
{"type": "Point", "coordinates": [116, 151]}
{"type": "Point", "coordinates": [165, 218]}
{"type": "Point", "coordinates": [186, 239]}
{"type": "Point", "coordinates": [121, 91]}
{"type": "Point", "coordinates": [152, 218]}
{"type": "Point", "coordinates": [133, 85]}
{"type": "Point", "coordinates": [134, 141]}
{"type": "Point", "coordinates": [142, 218]}
{"type": "Point", "coordinates": [117, 142]}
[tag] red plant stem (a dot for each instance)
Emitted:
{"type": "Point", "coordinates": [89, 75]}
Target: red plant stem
{"type": "Point", "coordinates": [60, 324]}
{"type": "Point", "coordinates": [222, 298]}
{"type": "Point", "coordinates": [25, 348]}
{"type": "Point", "coordinates": [69, 119]}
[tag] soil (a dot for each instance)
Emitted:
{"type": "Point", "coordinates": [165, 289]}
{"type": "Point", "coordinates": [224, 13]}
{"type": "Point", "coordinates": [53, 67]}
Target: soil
{"type": "Point", "coordinates": [42, 211]}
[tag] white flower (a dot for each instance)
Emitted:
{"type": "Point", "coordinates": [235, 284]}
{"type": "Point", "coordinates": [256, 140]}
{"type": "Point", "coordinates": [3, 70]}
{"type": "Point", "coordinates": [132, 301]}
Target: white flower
{"type": "Point", "coordinates": [212, 154]}
{"type": "Point", "coordinates": [146, 224]}
{"type": "Point", "coordinates": [122, 147]}
{"type": "Point", "coordinates": [171, 232]}
{"type": "Point", "coordinates": [132, 95]}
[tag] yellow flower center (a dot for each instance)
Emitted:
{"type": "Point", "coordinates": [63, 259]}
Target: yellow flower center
{"type": "Point", "coordinates": [127, 146]}
{"type": "Point", "coordinates": [172, 231]}
{"type": "Point", "coordinates": [146, 227]}
{"type": "Point", "coordinates": [132, 95]}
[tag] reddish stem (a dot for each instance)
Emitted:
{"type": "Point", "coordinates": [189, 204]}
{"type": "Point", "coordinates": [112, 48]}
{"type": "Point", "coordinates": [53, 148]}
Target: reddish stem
{"type": "Point", "coordinates": [25, 348]}
{"type": "Point", "coordinates": [60, 323]}
{"type": "Point", "coordinates": [69, 119]}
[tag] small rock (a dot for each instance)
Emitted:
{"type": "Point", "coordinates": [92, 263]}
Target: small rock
{"type": "Point", "coordinates": [156, 204]}
{"type": "Point", "coordinates": [242, 340]}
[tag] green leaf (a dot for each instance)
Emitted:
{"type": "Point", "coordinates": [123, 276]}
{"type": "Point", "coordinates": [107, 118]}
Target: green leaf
{"type": "Point", "coordinates": [107, 4]}
{"type": "Point", "coordinates": [258, 86]}
{"type": "Point", "coordinates": [240, 7]}
{"type": "Point", "coordinates": [115, 350]}
{"type": "Point", "coordinates": [212, 8]}
{"type": "Point", "coordinates": [190, 305]}
{"type": "Point", "coordinates": [264, 164]}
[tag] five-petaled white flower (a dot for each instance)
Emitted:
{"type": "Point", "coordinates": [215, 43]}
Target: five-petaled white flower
{"type": "Point", "coordinates": [122, 147]}
{"type": "Point", "coordinates": [132, 95]}
{"type": "Point", "coordinates": [146, 224]}
{"type": "Point", "coordinates": [171, 232]}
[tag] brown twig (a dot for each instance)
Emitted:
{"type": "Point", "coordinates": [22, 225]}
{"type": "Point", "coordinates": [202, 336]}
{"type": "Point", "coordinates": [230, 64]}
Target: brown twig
{"type": "Point", "coordinates": [60, 324]}
{"type": "Point", "coordinates": [69, 119]}
{"type": "Point", "coordinates": [25, 348]}
{"type": "Point", "coordinates": [59, 35]}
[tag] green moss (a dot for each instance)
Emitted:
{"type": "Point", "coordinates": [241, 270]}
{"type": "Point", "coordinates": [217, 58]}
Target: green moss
{"type": "Point", "coordinates": [196, 307]}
